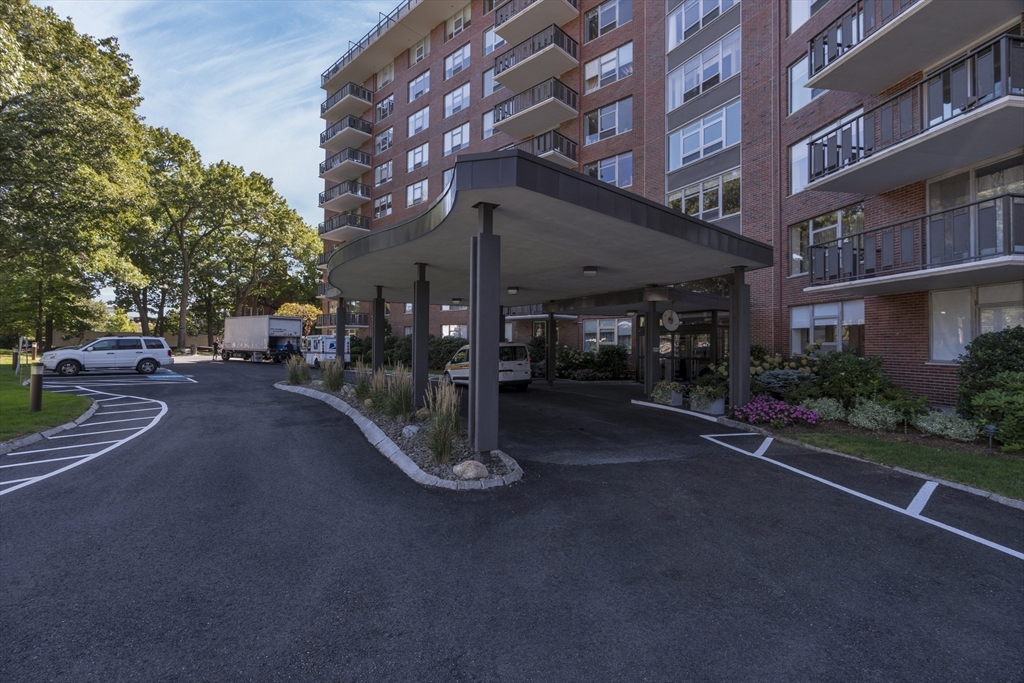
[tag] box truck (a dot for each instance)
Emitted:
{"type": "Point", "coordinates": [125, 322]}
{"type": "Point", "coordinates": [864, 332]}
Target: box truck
{"type": "Point", "coordinates": [258, 338]}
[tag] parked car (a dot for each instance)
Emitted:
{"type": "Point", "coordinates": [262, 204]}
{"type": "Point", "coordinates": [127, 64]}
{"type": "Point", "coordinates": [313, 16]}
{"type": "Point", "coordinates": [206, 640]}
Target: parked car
{"type": "Point", "coordinates": [142, 354]}
{"type": "Point", "coordinates": [513, 366]}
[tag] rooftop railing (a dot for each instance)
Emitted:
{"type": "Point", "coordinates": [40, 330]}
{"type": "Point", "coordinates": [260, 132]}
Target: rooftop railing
{"type": "Point", "coordinates": [347, 154]}
{"type": "Point", "coordinates": [350, 121]}
{"type": "Point", "coordinates": [344, 220]}
{"type": "Point", "coordinates": [391, 19]}
{"type": "Point", "coordinates": [551, 141]}
{"type": "Point", "coordinates": [346, 90]}
{"type": "Point", "coordinates": [856, 24]}
{"type": "Point", "coordinates": [551, 88]}
{"type": "Point", "coordinates": [552, 35]}
{"type": "Point", "coordinates": [513, 7]}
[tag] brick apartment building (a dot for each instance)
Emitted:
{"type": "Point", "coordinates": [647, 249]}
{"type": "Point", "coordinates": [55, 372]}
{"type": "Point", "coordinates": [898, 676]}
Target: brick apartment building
{"type": "Point", "coordinates": [875, 144]}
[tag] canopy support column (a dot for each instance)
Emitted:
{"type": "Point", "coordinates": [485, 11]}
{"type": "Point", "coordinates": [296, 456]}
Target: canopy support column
{"type": "Point", "coordinates": [420, 326]}
{"type": "Point", "coordinates": [484, 309]}
{"type": "Point", "coordinates": [377, 343]}
{"type": "Point", "coordinates": [653, 341]}
{"type": "Point", "coordinates": [739, 339]}
{"type": "Point", "coordinates": [550, 359]}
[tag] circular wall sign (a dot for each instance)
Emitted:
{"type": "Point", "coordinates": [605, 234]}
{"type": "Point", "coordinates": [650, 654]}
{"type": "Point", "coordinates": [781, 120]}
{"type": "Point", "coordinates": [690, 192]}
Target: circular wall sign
{"type": "Point", "coordinates": [670, 319]}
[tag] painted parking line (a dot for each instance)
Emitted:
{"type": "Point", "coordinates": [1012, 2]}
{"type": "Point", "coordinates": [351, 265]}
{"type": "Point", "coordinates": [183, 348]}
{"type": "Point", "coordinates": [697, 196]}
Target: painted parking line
{"type": "Point", "coordinates": [913, 510]}
{"type": "Point", "coordinates": [121, 412]}
{"type": "Point", "coordinates": [105, 431]}
{"type": "Point", "coordinates": [41, 462]}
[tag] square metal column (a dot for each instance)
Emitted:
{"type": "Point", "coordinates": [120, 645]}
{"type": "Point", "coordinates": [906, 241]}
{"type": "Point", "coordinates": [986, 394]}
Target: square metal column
{"type": "Point", "coordinates": [377, 341]}
{"type": "Point", "coordinates": [420, 335]}
{"type": "Point", "coordinates": [484, 309]}
{"type": "Point", "coordinates": [739, 339]}
{"type": "Point", "coordinates": [550, 357]}
{"type": "Point", "coordinates": [652, 349]}
{"type": "Point", "coordinates": [471, 333]}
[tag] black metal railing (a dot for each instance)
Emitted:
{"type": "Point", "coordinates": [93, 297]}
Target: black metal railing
{"type": "Point", "coordinates": [357, 319]}
{"type": "Point", "coordinates": [856, 24]}
{"type": "Point", "coordinates": [349, 121]}
{"type": "Point", "coordinates": [327, 320]}
{"type": "Point", "coordinates": [530, 309]}
{"type": "Point", "coordinates": [546, 90]}
{"type": "Point", "coordinates": [347, 154]}
{"type": "Point", "coordinates": [992, 71]}
{"type": "Point", "coordinates": [551, 141]}
{"type": "Point", "coordinates": [347, 187]}
{"type": "Point", "coordinates": [343, 92]}
{"type": "Point", "coordinates": [326, 256]}
{"type": "Point", "coordinates": [344, 220]}
{"type": "Point", "coordinates": [981, 230]}
{"type": "Point", "coordinates": [552, 35]}
{"type": "Point", "coordinates": [513, 7]}
{"type": "Point", "coordinates": [391, 19]}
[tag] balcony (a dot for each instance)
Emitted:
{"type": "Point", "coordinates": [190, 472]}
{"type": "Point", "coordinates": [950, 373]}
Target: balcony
{"type": "Point", "coordinates": [344, 227]}
{"type": "Point", "coordinates": [325, 291]}
{"type": "Point", "coordinates": [877, 43]}
{"type": "Point", "coordinates": [967, 112]}
{"type": "Point", "coordinates": [324, 258]}
{"type": "Point", "coordinates": [381, 44]}
{"type": "Point", "coordinates": [348, 164]}
{"type": "Point", "coordinates": [351, 131]}
{"type": "Point", "coordinates": [517, 20]}
{"type": "Point", "coordinates": [547, 54]}
{"type": "Point", "coordinates": [345, 197]}
{"type": "Point", "coordinates": [350, 100]}
{"type": "Point", "coordinates": [536, 109]}
{"type": "Point", "coordinates": [974, 244]}
{"type": "Point", "coordinates": [552, 146]}
{"type": "Point", "coordinates": [351, 320]}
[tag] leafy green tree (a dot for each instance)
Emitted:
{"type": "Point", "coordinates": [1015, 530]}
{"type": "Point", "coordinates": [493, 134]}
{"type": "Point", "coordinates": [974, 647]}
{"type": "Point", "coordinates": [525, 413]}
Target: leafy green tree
{"type": "Point", "coordinates": [308, 313]}
{"type": "Point", "coordinates": [118, 321]}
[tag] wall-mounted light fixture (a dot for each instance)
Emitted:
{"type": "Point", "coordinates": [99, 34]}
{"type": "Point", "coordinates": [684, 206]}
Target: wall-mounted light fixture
{"type": "Point", "coordinates": [589, 271]}
{"type": "Point", "coordinates": [631, 314]}
{"type": "Point", "coordinates": [513, 290]}
{"type": "Point", "coordinates": [456, 302]}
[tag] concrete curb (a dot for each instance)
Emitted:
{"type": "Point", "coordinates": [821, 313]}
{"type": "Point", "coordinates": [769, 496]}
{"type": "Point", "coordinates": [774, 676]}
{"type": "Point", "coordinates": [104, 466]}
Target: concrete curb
{"type": "Point", "coordinates": [13, 445]}
{"type": "Point", "coordinates": [390, 450]}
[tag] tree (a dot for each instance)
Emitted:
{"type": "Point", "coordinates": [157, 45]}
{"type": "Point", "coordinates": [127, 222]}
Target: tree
{"type": "Point", "coordinates": [118, 321]}
{"type": "Point", "coordinates": [308, 313]}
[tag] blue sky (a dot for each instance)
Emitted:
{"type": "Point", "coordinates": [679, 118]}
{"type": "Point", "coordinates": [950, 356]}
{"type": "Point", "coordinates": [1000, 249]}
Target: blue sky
{"type": "Point", "coordinates": [239, 78]}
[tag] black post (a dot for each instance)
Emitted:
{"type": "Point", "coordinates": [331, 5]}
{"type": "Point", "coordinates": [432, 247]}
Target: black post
{"type": "Point", "coordinates": [377, 340]}
{"type": "Point", "coordinates": [35, 389]}
{"type": "Point", "coordinates": [550, 357]}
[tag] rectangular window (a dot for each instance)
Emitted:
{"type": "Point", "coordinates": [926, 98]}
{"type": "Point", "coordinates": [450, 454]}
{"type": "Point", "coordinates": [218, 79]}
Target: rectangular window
{"type": "Point", "coordinates": [453, 331]}
{"type": "Point", "coordinates": [382, 206]}
{"type": "Point", "coordinates": [608, 332]}
{"type": "Point", "coordinates": [607, 121]}
{"type": "Point", "coordinates": [704, 71]}
{"type": "Point", "coordinates": [799, 96]}
{"type": "Point", "coordinates": [800, 11]}
{"type": "Point", "coordinates": [458, 23]}
{"type": "Point", "coordinates": [408, 308]}
{"type": "Point", "coordinates": [617, 170]}
{"type": "Point", "coordinates": [824, 228]}
{"type": "Point", "coordinates": [490, 85]}
{"type": "Point", "coordinates": [456, 139]}
{"type": "Point", "coordinates": [445, 307]}
{"type": "Point", "coordinates": [408, 330]}
{"type": "Point", "coordinates": [798, 169]}
{"type": "Point", "coordinates": [692, 16]}
{"type": "Point", "coordinates": [417, 157]}
{"type": "Point", "coordinates": [456, 100]}
{"type": "Point", "coordinates": [492, 41]}
{"type": "Point", "coordinates": [419, 86]}
{"type": "Point", "coordinates": [419, 51]}
{"type": "Point", "coordinates": [951, 328]}
{"type": "Point", "coordinates": [419, 121]}
{"type": "Point", "coordinates": [416, 193]}
{"type": "Point", "coordinates": [606, 17]}
{"type": "Point", "coordinates": [382, 173]}
{"type": "Point", "coordinates": [456, 61]}
{"type": "Point", "coordinates": [385, 107]}
{"type": "Point", "coordinates": [383, 141]}
{"type": "Point", "coordinates": [710, 199]}
{"type": "Point", "coordinates": [704, 137]}
{"type": "Point", "coordinates": [385, 75]}
{"type": "Point", "coordinates": [489, 6]}
{"type": "Point", "coordinates": [488, 124]}
{"type": "Point", "coordinates": [608, 68]}
{"type": "Point", "coordinates": [827, 327]}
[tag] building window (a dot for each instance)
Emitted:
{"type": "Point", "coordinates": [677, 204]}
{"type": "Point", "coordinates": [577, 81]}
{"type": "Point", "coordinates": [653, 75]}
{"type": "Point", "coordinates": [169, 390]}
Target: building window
{"type": "Point", "coordinates": [385, 75]}
{"type": "Point", "coordinates": [823, 228]}
{"type": "Point", "coordinates": [802, 10]}
{"type": "Point", "coordinates": [408, 308]}
{"type": "Point", "coordinates": [489, 6]}
{"type": "Point", "coordinates": [490, 85]}
{"type": "Point", "coordinates": [453, 331]}
{"type": "Point", "coordinates": [798, 170]}
{"type": "Point", "coordinates": [416, 193]}
{"type": "Point", "coordinates": [458, 23]}
{"type": "Point", "coordinates": [608, 68]}
{"type": "Point", "coordinates": [419, 121]}
{"type": "Point", "coordinates": [606, 17]}
{"type": "Point", "coordinates": [419, 51]}
{"type": "Point", "coordinates": [704, 137]}
{"type": "Point", "coordinates": [383, 141]}
{"type": "Point", "coordinates": [456, 61]}
{"type": "Point", "coordinates": [446, 178]}
{"type": "Point", "coordinates": [382, 206]}
{"type": "Point", "coordinates": [799, 96]}
{"type": "Point", "coordinates": [540, 328]}
{"type": "Point", "coordinates": [692, 16]}
{"type": "Point", "coordinates": [717, 63]}
{"type": "Point", "coordinates": [417, 157]}
{"type": "Point", "coordinates": [446, 307]}
{"type": "Point", "coordinates": [835, 326]}
{"type": "Point", "coordinates": [408, 330]}
{"type": "Point", "coordinates": [385, 107]}
{"type": "Point", "coordinates": [608, 332]}
{"type": "Point", "coordinates": [710, 199]}
{"type": "Point", "coordinates": [456, 139]}
{"type": "Point", "coordinates": [382, 173]}
{"type": "Point", "coordinates": [605, 122]}
{"type": "Point", "coordinates": [492, 41]}
{"type": "Point", "coordinates": [456, 100]}
{"type": "Point", "coordinates": [419, 86]}
{"type": "Point", "coordinates": [488, 124]}
{"type": "Point", "coordinates": [617, 170]}
{"type": "Point", "coordinates": [959, 315]}
{"type": "Point", "coordinates": [387, 309]}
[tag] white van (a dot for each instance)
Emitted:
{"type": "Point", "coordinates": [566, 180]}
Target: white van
{"type": "Point", "coordinates": [317, 348]}
{"type": "Point", "coordinates": [513, 366]}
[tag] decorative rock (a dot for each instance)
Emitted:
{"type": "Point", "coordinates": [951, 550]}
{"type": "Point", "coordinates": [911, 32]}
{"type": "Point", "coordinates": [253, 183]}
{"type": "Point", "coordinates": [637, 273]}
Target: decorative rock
{"type": "Point", "coordinates": [410, 431]}
{"type": "Point", "coordinates": [470, 469]}
{"type": "Point", "coordinates": [368, 403]}
{"type": "Point", "coordinates": [422, 414]}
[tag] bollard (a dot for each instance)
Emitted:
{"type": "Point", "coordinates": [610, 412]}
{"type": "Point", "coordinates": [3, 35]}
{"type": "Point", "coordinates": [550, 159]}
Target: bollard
{"type": "Point", "coordinates": [35, 389]}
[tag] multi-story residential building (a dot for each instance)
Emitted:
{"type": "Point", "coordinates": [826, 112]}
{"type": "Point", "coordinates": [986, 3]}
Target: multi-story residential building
{"type": "Point", "coordinates": [876, 144]}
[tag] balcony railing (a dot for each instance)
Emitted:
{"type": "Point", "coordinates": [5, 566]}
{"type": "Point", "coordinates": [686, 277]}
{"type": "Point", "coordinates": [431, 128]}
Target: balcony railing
{"type": "Point", "coordinates": [322, 260]}
{"type": "Point", "coordinates": [552, 35]}
{"type": "Point", "coordinates": [351, 320]}
{"type": "Point", "coordinates": [986, 74]}
{"type": "Point", "coordinates": [531, 309]}
{"type": "Point", "coordinates": [551, 141]}
{"type": "Point", "coordinates": [374, 33]}
{"type": "Point", "coordinates": [344, 220]}
{"type": "Point", "coordinates": [347, 187]}
{"type": "Point", "coordinates": [856, 24]}
{"type": "Point", "coordinates": [345, 91]}
{"type": "Point", "coordinates": [347, 154]}
{"type": "Point", "coordinates": [551, 88]}
{"type": "Point", "coordinates": [350, 121]}
{"type": "Point", "coordinates": [973, 232]}
{"type": "Point", "coordinates": [514, 7]}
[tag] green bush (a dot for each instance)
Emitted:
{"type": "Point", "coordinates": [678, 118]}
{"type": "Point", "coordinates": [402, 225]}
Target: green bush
{"type": "Point", "coordinates": [298, 371]}
{"type": "Point", "coordinates": [443, 403]}
{"type": "Point", "coordinates": [987, 356]}
{"type": "Point", "coordinates": [847, 378]}
{"type": "Point", "coordinates": [399, 402]}
{"type": "Point", "coordinates": [332, 373]}
{"type": "Point", "coordinates": [828, 409]}
{"type": "Point", "coordinates": [441, 349]}
{"type": "Point", "coordinates": [379, 391]}
{"type": "Point", "coordinates": [612, 361]}
{"type": "Point", "coordinates": [568, 360]}
{"type": "Point", "coordinates": [777, 383]}
{"type": "Point", "coordinates": [868, 414]}
{"type": "Point", "coordinates": [361, 387]}
{"type": "Point", "coordinates": [1003, 406]}
{"type": "Point", "coordinates": [538, 347]}
{"type": "Point", "coordinates": [401, 351]}
{"type": "Point", "coordinates": [947, 426]}
{"type": "Point", "coordinates": [358, 348]}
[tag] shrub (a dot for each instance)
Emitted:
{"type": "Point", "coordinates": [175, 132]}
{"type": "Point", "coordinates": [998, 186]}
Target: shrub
{"type": "Point", "coordinates": [361, 388]}
{"type": "Point", "coordinates": [401, 353]}
{"type": "Point", "coordinates": [358, 347]}
{"type": "Point", "coordinates": [538, 348]}
{"type": "Point", "coordinates": [443, 403]}
{"type": "Point", "coordinates": [399, 401]}
{"type": "Point", "coordinates": [613, 361]}
{"type": "Point", "coordinates": [773, 412]}
{"type": "Point", "coordinates": [568, 359]}
{"type": "Point", "coordinates": [295, 371]}
{"type": "Point", "coordinates": [828, 409]}
{"type": "Point", "coordinates": [868, 414]}
{"type": "Point", "coordinates": [662, 392]}
{"type": "Point", "coordinates": [847, 377]}
{"type": "Point", "coordinates": [379, 391]}
{"type": "Point", "coordinates": [1003, 406]}
{"type": "Point", "coordinates": [589, 375]}
{"type": "Point", "coordinates": [332, 372]}
{"type": "Point", "coordinates": [441, 349]}
{"type": "Point", "coordinates": [947, 426]}
{"type": "Point", "coordinates": [987, 356]}
{"type": "Point", "coordinates": [777, 383]}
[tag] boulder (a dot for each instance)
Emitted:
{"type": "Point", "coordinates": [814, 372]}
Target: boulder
{"type": "Point", "coordinates": [368, 403]}
{"type": "Point", "coordinates": [422, 414]}
{"type": "Point", "coordinates": [410, 431]}
{"type": "Point", "coordinates": [470, 469]}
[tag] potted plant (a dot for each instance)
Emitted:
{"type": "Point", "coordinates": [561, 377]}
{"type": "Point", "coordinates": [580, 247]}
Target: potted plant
{"type": "Point", "coordinates": [668, 393]}
{"type": "Point", "coordinates": [709, 396]}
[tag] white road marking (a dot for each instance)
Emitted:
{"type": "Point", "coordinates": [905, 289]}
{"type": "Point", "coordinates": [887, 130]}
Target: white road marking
{"type": "Point", "coordinates": [39, 462]}
{"type": "Point", "coordinates": [759, 454]}
{"type": "Point", "coordinates": [15, 481]}
{"type": "Point", "coordinates": [119, 405]}
{"type": "Point", "coordinates": [64, 448]}
{"type": "Point", "coordinates": [110, 422]}
{"type": "Point", "coordinates": [691, 413]}
{"type": "Point", "coordinates": [921, 499]}
{"type": "Point", "coordinates": [105, 431]}
{"type": "Point", "coordinates": [120, 412]}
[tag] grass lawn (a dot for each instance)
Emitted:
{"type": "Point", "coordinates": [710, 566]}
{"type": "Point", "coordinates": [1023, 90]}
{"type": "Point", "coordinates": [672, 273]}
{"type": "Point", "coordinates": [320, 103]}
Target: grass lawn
{"type": "Point", "coordinates": [15, 420]}
{"type": "Point", "coordinates": [996, 473]}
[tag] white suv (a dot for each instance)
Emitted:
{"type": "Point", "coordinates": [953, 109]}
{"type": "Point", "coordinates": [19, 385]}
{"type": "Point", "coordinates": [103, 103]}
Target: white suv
{"type": "Point", "coordinates": [142, 354]}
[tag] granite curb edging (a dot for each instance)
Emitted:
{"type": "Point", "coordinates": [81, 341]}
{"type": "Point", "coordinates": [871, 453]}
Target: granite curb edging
{"type": "Point", "coordinates": [14, 444]}
{"type": "Point", "coordinates": [390, 450]}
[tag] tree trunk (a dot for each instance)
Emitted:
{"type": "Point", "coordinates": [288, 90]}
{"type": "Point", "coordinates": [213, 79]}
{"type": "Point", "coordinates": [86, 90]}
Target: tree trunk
{"type": "Point", "coordinates": [49, 335]}
{"type": "Point", "coordinates": [209, 319]}
{"type": "Point", "coordinates": [183, 308]}
{"type": "Point", "coordinates": [144, 312]}
{"type": "Point", "coordinates": [39, 320]}
{"type": "Point", "coordinates": [160, 313]}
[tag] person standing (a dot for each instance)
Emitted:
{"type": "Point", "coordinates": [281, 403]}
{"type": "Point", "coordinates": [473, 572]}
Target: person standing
{"type": "Point", "coordinates": [216, 349]}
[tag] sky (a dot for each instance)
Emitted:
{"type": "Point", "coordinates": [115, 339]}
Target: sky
{"type": "Point", "coordinates": [239, 78]}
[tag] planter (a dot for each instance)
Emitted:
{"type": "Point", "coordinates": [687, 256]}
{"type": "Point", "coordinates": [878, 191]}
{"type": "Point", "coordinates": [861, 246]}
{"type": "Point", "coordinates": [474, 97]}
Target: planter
{"type": "Point", "coordinates": [677, 399]}
{"type": "Point", "coordinates": [702, 405]}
